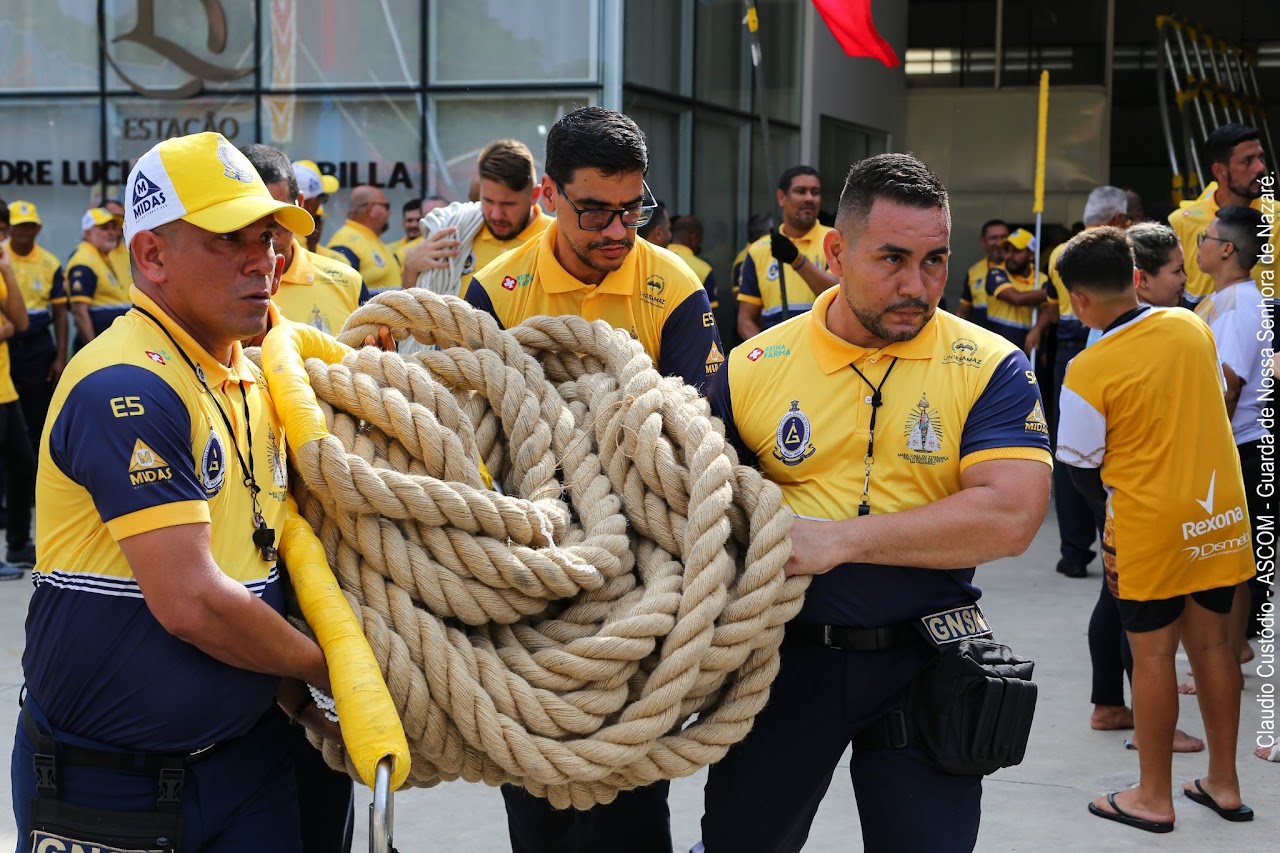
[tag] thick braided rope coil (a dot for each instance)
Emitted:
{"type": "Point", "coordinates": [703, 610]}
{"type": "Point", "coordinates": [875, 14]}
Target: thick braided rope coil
{"type": "Point", "coordinates": [562, 634]}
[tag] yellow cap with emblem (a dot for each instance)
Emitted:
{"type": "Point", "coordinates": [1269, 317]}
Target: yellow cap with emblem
{"type": "Point", "coordinates": [202, 179]}
{"type": "Point", "coordinates": [23, 213]}
{"type": "Point", "coordinates": [1021, 239]}
{"type": "Point", "coordinates": [97, 216]}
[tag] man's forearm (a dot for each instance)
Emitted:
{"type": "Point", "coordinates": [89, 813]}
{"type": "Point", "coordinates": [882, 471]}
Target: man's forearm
{"type": "Point", "coordinates": [817, 279]}
{"type": "Point", "coordinates": [14, 308]}
{"type": "Point", "coordinates": [60, 329]}
{"type": "Point", "coordinates": [84, 326]}
{"type": "Point", "coordinates": [975, 525]}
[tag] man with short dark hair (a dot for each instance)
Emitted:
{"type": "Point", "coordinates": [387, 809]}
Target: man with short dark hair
{"type": "Point", "coordinates": [1169, 539]}
{"type": "Point", "coordinates": [360, 243]}
{"type": "Point", "coordinates": [973, 296]}
{"type": "Point", "coordinates": [315, 290]}
{"type": "Point", "coordinates": [1240, 319]}
{"type": "Point", "coordinates": [1239, 166]}
{"type": "Point", "coordinates": [658, 229]}
{"type": "Point", "coordinates": [958, 475]}
{"type": "Point", "coordinates": [1015, 289]}
{"type": "Point", "coordinates": [686, 242]}
{"type": "Point", "coordinates": [508, 200]}
{"type": "Point", "coordinates": [788, 260]}
{"type": "Point", "coordinates": [589, 263]}
{"type": "Point", "coordinates": [410, 215]}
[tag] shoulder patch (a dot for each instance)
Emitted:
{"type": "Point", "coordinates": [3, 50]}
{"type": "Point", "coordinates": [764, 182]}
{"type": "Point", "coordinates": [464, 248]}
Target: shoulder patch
{"type": "Point", "coordinates": [213, 463]}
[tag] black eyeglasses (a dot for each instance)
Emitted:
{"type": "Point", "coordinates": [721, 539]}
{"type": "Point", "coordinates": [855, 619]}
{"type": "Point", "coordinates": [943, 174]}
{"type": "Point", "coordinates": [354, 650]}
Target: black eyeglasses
{"type": "Point", "coordinates": [598, 220]}
{"type": "Point", "coordinates": [1205, 235]}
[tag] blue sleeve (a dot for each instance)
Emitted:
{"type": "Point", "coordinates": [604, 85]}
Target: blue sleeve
{"type": "Point", "coordinates": [477, 297]}
{"type": "Point", "coordinates": [710, 284]}
{"type": "Point", "coordinates": [1052, 288]}
{"type": "Point", "coordinates": [749, 285]}
{"type": "Point", "coordinates": [58, 290]}
{"type": "Point", "coordinates": [688, 336]}
{"type": "Point", "coordinates": [996, 278]}
{"type": "Point", "coordinates": [82, 281]}
{"type": "Point", "coordinates": [722, 407]}
{"type": "Point", "coordinates": [124, 435]}
{"type": "Point", "coordinates": [966, 293]}
{"type": "Point", "coordinates": [364, 292]}
{"type": "Point", "coordinates": [351, 257]}
{"type": "Point", "coordinates": [1009, 412]}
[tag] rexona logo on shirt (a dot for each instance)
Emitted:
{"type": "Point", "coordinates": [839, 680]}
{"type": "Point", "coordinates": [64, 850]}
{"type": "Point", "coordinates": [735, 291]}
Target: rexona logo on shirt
{"type": "Point", "coordinates": [146, 467]}
{"type": "Point", "coordinates": [1215, 521]}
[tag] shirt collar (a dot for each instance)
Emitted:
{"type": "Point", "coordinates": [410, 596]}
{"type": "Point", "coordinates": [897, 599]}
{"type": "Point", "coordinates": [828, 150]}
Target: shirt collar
{"type": "Point", "coordinates": [835, 353]}
{"type": "Point", "coordinates": [216, 374]}
{"type": "Point", "coordinates": [556, 279]}
{"type": "Point", "coordinates": [812, 234]}
{"type": "Point", "coordinates": [301, 270]}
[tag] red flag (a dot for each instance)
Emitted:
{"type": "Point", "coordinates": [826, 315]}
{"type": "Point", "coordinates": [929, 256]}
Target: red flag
{"type": "Point", "coordinates": [850, 22]}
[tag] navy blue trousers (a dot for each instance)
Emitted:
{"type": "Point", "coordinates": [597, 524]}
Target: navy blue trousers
{"type": "Point", "coordinates": [240, 799]}
{"type": "Point", "coordinates": [762, 797]}
{"type": "Point", "coordinates": [1075, 522]}
{"type": "Point", "coordinates": [638, 821]}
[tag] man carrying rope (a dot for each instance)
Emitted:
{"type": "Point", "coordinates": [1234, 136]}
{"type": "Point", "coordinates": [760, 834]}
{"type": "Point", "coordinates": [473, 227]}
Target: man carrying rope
{"type": "Point", "coordinates": [509, 191]}
{"type": "Point", "coordinates": [589, 263]}
{"type": "Point", "coordinates": [155, 641]}
{"type": "Point", "coordinates": [960, 476]}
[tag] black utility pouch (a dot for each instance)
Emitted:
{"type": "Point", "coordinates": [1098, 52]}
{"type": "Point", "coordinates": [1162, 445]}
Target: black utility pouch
{"type": "Point", "coordinates": [102, 830]}
{"type": "Point", "coordinates": [971, 707]}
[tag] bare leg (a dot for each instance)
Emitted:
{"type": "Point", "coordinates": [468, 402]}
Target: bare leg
{"type": "Point", "coordinates": [1214, 648]}
{"type": "Point", "coordinates": [1155, 716]}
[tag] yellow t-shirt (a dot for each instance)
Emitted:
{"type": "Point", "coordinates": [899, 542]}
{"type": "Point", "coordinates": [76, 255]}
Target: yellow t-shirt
{"type": "Point", "coordinates": [486, 248]}
{"type": "Point", "coordinates": [1012, 321]}
{"type": "Point", "coordinates": [1194, 217]}
{"type": "Point", "coordinates": [760, 285]}
{"type": "Point", "coordinates": [118, 258]}
{"type": "Point", "coordinates": [367, 255]}
{"type": "Point", "coordinates": [8, 393]}
{"type": "Point", "coordinates": [91, 280]}
{"type": "Point", "coordinates": [701, 269]}
{"type": "Point", "coordinates": [318, 291]}
{"type": "Point", "coordinates": [39, 276]}
{"type": "Point", "coordinates": [1069, 326]}
{"type": "Point", "coordinates": [1144, 404]}
{"type": "Point", "coordinates": [974, 292]}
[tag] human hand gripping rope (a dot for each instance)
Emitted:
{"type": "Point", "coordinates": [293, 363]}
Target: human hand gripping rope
{"type": "Point", "coordinates": [562, 633]}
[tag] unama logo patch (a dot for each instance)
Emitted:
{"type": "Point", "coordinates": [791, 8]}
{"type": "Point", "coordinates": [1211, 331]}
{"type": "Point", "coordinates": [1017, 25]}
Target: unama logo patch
{"type": "Point", "coordinates": [792, 438]}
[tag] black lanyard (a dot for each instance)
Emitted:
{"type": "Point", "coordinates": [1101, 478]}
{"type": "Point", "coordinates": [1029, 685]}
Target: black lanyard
{"type": "Point", "coordinates": [264, 538]}
{"type": "Point", "coordinates": [876, 401]}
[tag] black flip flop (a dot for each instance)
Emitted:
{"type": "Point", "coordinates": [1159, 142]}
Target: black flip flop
{"type": "Point", "coordinates": [1120, 816]}
{"type": "Point", "coordinates": [1240, 815]}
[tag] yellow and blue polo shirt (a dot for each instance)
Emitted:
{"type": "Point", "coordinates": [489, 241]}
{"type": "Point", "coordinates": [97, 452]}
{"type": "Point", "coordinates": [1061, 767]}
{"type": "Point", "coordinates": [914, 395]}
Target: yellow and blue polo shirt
{"type": "Point", "coordinates": [8, 393]}
{"type": "Point", "coordinates": [735, 269]}
{"type": "Point", "coordinates": [957, 395]}
{"type": "Point", "coordinates": [1011, 321]}
{"type": "Point", "coordinates": [330, 253]}
{"type": "Point", "coordinates": [39, 276]}
{"type": "Point", "coordinates": [701, 269]}
{"type": "Point", "coordinates": [1193, 217]}
{"type": "Point", "coordinates": [486, 248]}
{"type": "Point", "coordinates": [134, 443]}
{"type": "Point", "coordinates": [319, 291]}
{"type": "Point", "coordinates": [92, 281]}
{"type": "Point", "coordinates": [759, 285]}
{"type": "Point", "coordinates": [118, 258]}
{"type": "Point", "coordinates": [367, 255]}
{"type": "Point", "coordinates": [1070, 329]}
{"type": "Point", "coordinates": [1148, 393]}
{"type": "Point", "coordinates": [974, 292]}
{"type": "Point", "coordinates": [653, 296]}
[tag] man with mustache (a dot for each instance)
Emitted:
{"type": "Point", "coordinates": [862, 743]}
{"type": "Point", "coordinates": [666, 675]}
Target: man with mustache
{"type": "Point", "coordinates": [156, 647]}
{"type": "Point", "coordinates": [1238, 164]}
{"type": "Point", "coordinates": [958, 475]}
{"type": "Point", "coordinates": [788, 260]}
{"type": "Point", "coordinates": [1015, 290]}
{"type": "Point", "coordinates": [588, 262]}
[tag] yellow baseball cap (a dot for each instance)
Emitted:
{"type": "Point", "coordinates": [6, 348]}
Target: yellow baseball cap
{"type": "Point", "coordinates": [22, 213]}
{"type": "Point", "coordinates": [205, 180]}
{"type": "Point", "coordinates": [97, 216]}
{"type": "Point", "coordinates": [1021, 239]}
{"type": "Point", "coordinates": [311, 181]}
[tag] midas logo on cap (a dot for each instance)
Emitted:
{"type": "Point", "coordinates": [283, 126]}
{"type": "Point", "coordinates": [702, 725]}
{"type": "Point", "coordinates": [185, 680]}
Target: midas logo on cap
{"type": "Point", "coordinates": [205, 180]}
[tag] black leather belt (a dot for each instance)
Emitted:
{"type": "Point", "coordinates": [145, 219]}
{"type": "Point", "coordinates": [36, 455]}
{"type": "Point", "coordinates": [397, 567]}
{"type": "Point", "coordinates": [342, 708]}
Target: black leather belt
{"type": "Point", "coordinates": [856, 639]}
{"type": "Point", "coordinates": [149, 763]}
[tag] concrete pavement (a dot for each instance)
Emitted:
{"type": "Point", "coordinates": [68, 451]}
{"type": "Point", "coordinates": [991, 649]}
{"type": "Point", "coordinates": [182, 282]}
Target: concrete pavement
{"type": "Point", "coordinates": [1038, 805]}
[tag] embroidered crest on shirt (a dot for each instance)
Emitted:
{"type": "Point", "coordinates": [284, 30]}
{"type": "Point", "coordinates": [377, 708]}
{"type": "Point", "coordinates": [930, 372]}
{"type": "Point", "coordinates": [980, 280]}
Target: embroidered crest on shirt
{"type": "Point", "coordinates": [213, 463]}
{"type": "Point", "coordinates": [924, 434]}
{"type": "Point", "coordinates": [792, 438]}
